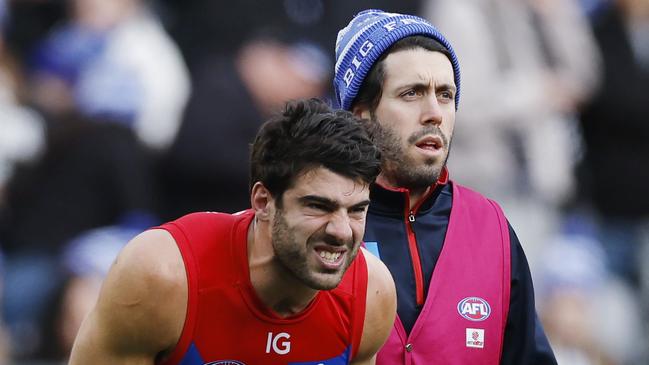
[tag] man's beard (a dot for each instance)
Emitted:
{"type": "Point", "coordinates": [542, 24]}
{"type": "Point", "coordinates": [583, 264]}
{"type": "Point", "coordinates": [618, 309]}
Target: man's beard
{"type": "Point", "coordinates": [294, 256]}
{"type": "Point", "coordinates": [402, 169]}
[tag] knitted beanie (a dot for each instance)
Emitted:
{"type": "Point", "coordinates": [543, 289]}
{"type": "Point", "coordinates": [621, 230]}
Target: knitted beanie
{"type": "Point", "coordinates": [366, 37]}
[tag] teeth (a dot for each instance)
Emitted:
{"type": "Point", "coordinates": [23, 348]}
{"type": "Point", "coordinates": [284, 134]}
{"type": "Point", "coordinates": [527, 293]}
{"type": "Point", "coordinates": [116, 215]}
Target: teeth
{"type": "Point", "coordinates": [428, 145]}
{"type": "Point", "coordinates": [330, 256]}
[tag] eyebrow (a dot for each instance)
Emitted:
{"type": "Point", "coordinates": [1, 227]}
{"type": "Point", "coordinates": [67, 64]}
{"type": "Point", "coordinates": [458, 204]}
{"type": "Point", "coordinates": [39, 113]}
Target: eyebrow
{"type": "Point", "coordinates": [329, 203]}
{"type": "Point", "coordinates": [425, 85]}
{"type": "Point", "coordinates": [445, 86]}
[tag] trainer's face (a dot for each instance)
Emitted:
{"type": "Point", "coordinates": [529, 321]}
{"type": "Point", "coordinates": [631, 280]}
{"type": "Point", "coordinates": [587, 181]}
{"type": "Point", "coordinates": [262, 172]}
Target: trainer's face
{"type": "Point", "coordinates": [317, 232]}
{"type": "Point", "coordinates": [416, 115]}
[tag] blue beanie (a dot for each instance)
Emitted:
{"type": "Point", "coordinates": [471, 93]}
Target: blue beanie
{"type": "Point", "coordinates": [367, 36]}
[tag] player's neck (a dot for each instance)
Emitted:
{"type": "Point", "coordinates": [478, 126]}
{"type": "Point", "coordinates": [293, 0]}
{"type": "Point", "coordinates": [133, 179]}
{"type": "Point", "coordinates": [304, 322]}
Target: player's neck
{"type": "Point", "coordinates": [277, 288]}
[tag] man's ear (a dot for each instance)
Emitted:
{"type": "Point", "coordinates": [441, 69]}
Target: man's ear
{"type": "Point", "coordinates": [261, 201]}
{"type": "Point", "coordinates": [361, 111]}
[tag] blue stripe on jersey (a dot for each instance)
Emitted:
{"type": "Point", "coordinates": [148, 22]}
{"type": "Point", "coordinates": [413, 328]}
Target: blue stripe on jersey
{"type": "Point", "coordinates": [192, 357]}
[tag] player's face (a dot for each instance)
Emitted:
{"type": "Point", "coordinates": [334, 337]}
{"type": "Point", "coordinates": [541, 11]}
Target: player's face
{"type": "Point", "coordinates": [416, 115]}
{"type": "Point", "coordinates": [317, 232]}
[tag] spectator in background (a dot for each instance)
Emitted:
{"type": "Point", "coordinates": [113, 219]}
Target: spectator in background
{"type": "Point", "coordinates": [22, 133]}
{"type": "Point", "coordinates": [528, 64]}
{"type": "Point", "coordinates": [205, 168]}
{"type": "Point", "coordinates": [33, 19]}
{"type": "Point", "coordinates": [85, 262]}
{"type": "Point", "coordinates": [92, 174]}
{"type": "Point", "coordinates": [113, 59]}
{"type": "Point", "coordinates": [5, 343]}
{"type": "Point", "coordinates": [22, 137]}
{"type": "Point", "coordinates": [575, 288]}
{"type": "Point", "coordinates": [615, 125]}
{"type": "Point", "coordinates": [110, 83]}
{"type": "Point", "coordinates": [205, 28]}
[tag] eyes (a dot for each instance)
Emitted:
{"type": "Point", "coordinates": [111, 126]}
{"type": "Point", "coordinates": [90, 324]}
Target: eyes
{"type": "Point", "coordinates": [446, 95]}
{"type": "Point", "coordinates": [320, 208]}
{"type": "Point", "coordinates": [414, 93]}
{"type": "Point", "coordinates": [411, 93]}
{"type": "Point", "coordinates": [358, 211]}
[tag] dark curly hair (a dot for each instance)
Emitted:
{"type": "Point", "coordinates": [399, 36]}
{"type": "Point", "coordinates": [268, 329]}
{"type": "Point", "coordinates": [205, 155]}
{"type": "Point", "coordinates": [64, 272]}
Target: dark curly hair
{"type": "Point", "coordinates": [308, 134]}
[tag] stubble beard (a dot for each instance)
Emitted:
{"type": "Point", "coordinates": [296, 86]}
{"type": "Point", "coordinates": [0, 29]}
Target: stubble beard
{"type": "Point", "coordinates": [400, 168]}
{"type": "Point", "coordinates": [293, 257]}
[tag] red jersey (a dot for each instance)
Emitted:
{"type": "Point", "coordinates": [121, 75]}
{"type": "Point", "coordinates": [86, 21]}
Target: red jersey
{"type": "Point", "coordinates": [226, 322]}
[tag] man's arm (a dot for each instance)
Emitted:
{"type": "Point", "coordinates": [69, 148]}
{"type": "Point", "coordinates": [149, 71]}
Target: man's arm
{"type": "Point", "coordinates": [140, 312]}
{"type": "Point", "coordinates": [525, 341]}
{"type": "Point", "coordinates": [380, 311]}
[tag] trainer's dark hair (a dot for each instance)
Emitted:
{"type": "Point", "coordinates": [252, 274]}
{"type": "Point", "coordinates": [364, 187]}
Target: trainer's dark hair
{"type": "Point", "coordinates": [309, 134]}
{"type": "Point", "coordinates": [370, 92]}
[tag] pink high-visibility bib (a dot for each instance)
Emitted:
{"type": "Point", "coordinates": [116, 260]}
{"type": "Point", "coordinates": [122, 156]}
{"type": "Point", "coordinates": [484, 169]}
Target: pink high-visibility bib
{"type": "Point", "coordinates": [464, 316]}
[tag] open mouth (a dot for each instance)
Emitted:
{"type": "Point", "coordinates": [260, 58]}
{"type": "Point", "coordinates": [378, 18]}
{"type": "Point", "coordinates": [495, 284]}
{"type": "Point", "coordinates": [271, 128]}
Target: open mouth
{"type": "Point", "coordinates": [430, 143]}
{"type": "Point", "coordinates": [331, 257]}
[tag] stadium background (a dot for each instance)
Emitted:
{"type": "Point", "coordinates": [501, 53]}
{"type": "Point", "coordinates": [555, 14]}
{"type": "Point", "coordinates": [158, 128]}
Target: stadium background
{"type": "Point", "coordinates": [116, 115]}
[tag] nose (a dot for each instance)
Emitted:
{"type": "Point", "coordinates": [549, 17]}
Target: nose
{"type": "Point", "coordinates": [431, 111]}
{"type": "Point", "coordinates": [339, 227]}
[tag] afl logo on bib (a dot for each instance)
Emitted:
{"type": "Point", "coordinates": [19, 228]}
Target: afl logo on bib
{"type": "Point", "coordinates": [474, 309]}
{"type": "Point", "coordinates": [226, 362]}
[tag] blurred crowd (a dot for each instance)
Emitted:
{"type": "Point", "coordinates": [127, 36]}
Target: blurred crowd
{"type": "Point", "coordinates": [118, 115]}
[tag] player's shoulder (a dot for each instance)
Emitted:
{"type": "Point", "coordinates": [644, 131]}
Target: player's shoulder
{"type": "Point", "coordinates": [378, 274]}
{"type": "Point", "coordinates": [208, 217]}
{"type": "Point", "coordinates": [381, 306]}
{"type": "Point", "coordinates": [144, 296]}
{"type": "Point", "coordinates": [381, 290]}
{"type": "Point", "coordinates": [153, 261]}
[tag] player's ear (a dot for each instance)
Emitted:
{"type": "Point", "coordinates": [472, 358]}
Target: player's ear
{"type": "Point", "coordinates": [361, 111]}
{"type": "Point", "coordinates": [261, 201]}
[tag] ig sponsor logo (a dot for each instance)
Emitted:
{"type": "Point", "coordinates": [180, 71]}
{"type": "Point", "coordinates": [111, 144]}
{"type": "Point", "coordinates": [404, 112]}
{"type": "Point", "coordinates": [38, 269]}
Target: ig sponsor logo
{"type": "Point", "coordinates": [279, 343]}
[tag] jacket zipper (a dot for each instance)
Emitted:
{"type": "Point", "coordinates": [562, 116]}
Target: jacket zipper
{"type": "Point", "coordinates": [416, 260]}
{"type": "Point", "coordinates": [412, 239]}
{"type": "Point", "coordinates": [412, 245]}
